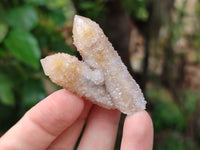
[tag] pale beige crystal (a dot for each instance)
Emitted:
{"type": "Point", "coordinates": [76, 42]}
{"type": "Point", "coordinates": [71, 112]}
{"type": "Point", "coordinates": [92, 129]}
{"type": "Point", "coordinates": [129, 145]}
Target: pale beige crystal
{"type": "Point", "coordinates": [101, 77]}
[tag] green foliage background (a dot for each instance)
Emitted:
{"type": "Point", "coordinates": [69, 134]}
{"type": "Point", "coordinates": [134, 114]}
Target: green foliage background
{"type": "Point", "coordinates": [29, 30]}
{"type": "Point", "coordinates": [33, 29]}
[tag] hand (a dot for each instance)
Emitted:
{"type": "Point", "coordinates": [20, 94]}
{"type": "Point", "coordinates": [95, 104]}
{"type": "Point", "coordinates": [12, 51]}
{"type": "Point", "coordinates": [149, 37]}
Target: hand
{"type": "Point", "coordinates": [56, 123]}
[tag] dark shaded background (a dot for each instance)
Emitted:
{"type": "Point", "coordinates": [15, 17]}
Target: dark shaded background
{"type": "Point", "coordinates": [159, 41]}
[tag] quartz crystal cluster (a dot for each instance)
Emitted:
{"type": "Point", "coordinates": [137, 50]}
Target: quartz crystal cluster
{"type": "Point", "coordinates": [100, 77]}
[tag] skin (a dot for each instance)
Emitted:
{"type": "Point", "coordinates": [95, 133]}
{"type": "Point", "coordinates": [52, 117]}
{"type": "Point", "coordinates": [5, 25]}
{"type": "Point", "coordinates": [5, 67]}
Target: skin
{"type": "Point", "coordinates": [56, 123]}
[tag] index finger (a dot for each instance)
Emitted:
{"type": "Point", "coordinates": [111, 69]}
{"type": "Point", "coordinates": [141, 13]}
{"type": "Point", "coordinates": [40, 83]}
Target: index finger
{"type": "Point", "coordinates": [44, 122]}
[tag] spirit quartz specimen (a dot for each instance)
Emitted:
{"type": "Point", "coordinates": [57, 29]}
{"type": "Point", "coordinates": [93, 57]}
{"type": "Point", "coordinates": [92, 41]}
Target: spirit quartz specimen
{"type": "Point", "coordinates": [100, 77]}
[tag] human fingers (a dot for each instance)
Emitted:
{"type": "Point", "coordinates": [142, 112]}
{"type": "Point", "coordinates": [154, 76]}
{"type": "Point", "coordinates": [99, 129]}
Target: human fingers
{"type": "Point", "coordinates": [68, 139]}
{"type": "Point", "coordinates": [137, 132]}
{"type": "Point", "coordinates": [101, 129]}
{"type": "Point", "coordinates": [44, 122]}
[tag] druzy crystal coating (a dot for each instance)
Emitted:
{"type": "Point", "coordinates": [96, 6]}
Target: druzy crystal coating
{"type": "Point", "coordinates": [100, 77]}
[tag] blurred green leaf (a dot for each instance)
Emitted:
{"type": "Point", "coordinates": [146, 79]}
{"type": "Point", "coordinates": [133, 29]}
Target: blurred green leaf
{"type": "Point", "coordinates": [3, 31]}
{"type": "Point", "coordinates": [156, 92]}
{"type": "Point", "coordinates": [7, 117]}
{"type": "Point", "coordinates": [65, 6]}
{"type": "Point", "coordinates": [24, 47]}
{"type": "Point", "coordinates": [6, 94]}
{"type": "Point", "coordinates": [198, 55]}
{"type": "Point", "coordinates": [197, 9]}
{"type": "Point", "coordinates": [2, 52]}
{"type": "Point", "coordinates": [92, 9]}
{"type": "Point", "coordinates": [39, 2]}
{"type": "Point", "coordinates": [2, 15]}
{"type": "Point", "coordinates": [87, 5]}
{"type": "Point", "coordinates": [171, 141]}
{"type": "Point", "coordinates": [60, 46]}
{"type": "Point", "coordinates": [137, 8]}
{"type": "Point", "coordinates": [24, 17]}
{"type": "Point", "coordinates": [57, 16]}
{"type": "Point", "coordinates": [142, 13]}
{"type": "Point", "coordinates": [175, 142]}
{"type": "Point", "coordinates": [190, 99]}
{"type": "Point", "coordinates": [166, 114]}
{"type": "Point", "coordinates": [32, 92]}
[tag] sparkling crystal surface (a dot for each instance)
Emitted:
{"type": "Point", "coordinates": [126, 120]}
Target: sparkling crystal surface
{"type": "Point", "coordinates": [101, 76]}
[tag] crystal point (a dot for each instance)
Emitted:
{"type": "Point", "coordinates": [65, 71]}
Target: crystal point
{"type": "Point", "coordinates": [101, 76]}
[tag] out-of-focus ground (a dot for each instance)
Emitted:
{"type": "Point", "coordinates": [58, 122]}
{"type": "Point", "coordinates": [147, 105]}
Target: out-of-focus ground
{"type": "Point", "coordinates": [159, 41]}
